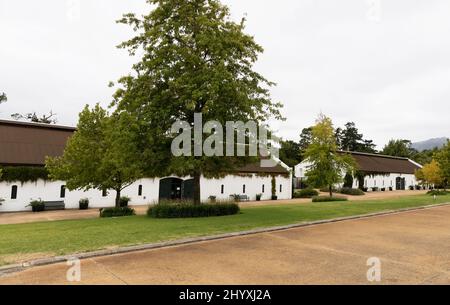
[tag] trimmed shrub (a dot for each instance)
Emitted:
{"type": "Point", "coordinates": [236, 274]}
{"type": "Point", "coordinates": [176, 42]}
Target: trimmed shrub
{"type": "Point", "coordinates": [391, 189]}
{"type": "Point", "coordinates": [306, 193]}
{"type": "Point", "coordinates": [365, 189]}
{"type": "Point", "coordinates": [438, 193]}
{"type": "Point", "coordinates": [124, 201]}
{"type": "Point", "coordinates": [37, 205]}
{"type": "Point", "coordinates": [328, 199]}
{"type": "Point", "coordinates": [258, 197]}
{"type": "Point", "coordinates": [84, 204]}
{"type": "Point", "coordinates": [383, 189]}
{"type": "Point", "coordinates": [192, 210]}
{"type": "Point", "coordinates": [351, 191]}
{"type": "Point", "coordinates": [375, 189]}
{"type": "Point", "coordinates": [117, 212]}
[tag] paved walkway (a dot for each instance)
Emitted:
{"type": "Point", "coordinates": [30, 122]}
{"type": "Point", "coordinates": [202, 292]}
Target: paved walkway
{"type": "Point", "coordinates": [414, 248]}
{"type": "Point", "coordinates": [28, 217]}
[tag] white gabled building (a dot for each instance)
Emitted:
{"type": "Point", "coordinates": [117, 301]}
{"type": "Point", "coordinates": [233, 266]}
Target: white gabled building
{"type": "Point", "coordinates": [380, 171]}
{"type": "Point", "coordinates": [28, 144]}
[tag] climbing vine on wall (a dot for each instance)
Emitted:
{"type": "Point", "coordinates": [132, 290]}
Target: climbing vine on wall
{"type": "Point", "coordinates": [23, 174]}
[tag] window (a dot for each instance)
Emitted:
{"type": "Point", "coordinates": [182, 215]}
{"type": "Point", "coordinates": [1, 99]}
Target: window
{"type": "Point", "coordinates": [14, 192]}
{"type": "Point", "coordinates": [62, 192]}
{"type": "Point", "coordinates": [222, 189]}
{"type": "Point", "coordinates": [375, 183]}
{"type": "Point", "coordinates": [104, 193]}
{"type": "Point", "coordinates": [281, 188]}
{"type": "Point", "coordinates": [243, 189]}
{"type": "Point", "coordinates": [140, 190]}
{"type": "Point", "coordinates": [263, 188]}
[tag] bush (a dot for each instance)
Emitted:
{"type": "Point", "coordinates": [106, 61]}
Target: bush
{"type": "Point", "coordinates": [84, 204]}
{"type": "Point", "coordinates": [365, 189]}
{"type": "Point", "coordinates": [37, 205]}
{"type": "Point", "coordinates": [328, 199]}
{"type": "Point", "coordinates": [117, 212]}
{"type": "Point", "coordinates": [411, 188]}
{"type": "Point", "coordinates": [192, 210]}
{"type": "Point", "coordinates": [391, 189]}
{"type": "Point", "coordinates": [438, 193]}
{"type": "Point", "coordinates": [351, 191]}
{"type": "Point", "coordinates": [213, 199]}
{"type": "Point", "coordinates": [306, 193]}
{"type": "Point", "coordinates": [124, 201]}
{"type": "Point", "coordinates": [258, 197]}
{"type": "Point", "coordinates": [383, 189]}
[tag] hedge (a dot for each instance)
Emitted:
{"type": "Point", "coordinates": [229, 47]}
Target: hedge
{"type": "Point", "coordinates": [438, 193]}
{"type": "Point", "coordinates": [306, 193]}
{"type": "Point", "coordinates": [192, 210]}
{"type": "Point", "coordinates": [328, 199]}
{"type": "Point", "coordinates": [351, 191]}
{"type": "Point", "coordinates": [117, 212]}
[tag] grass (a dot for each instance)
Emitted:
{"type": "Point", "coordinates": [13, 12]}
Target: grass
{"type": "Point", "coordinates": [21, 241]}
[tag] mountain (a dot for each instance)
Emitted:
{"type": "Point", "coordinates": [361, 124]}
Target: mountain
{"type": "Point", "coordinates": [430, 144]}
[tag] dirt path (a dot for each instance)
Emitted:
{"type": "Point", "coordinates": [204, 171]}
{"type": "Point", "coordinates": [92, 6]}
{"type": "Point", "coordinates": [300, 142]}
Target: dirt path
{"type": "Point", "coordinates": [413, 248]}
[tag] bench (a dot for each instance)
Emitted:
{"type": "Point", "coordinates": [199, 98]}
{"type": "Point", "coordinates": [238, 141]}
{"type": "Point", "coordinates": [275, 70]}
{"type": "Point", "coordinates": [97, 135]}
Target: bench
{"type": "Point", "coordinates": [54, 205]}
{"type": "Point", "coordinates": [240, 198]}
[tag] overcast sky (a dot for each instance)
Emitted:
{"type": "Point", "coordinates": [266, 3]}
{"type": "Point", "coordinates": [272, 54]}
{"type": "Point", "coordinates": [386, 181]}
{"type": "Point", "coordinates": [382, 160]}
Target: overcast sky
{"type": "Point", "coordinates": [383, 64]}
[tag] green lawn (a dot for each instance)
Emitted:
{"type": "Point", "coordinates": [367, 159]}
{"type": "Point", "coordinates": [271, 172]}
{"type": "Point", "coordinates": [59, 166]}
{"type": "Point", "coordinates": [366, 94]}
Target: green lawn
{"type": "Point", "coordinates": [64, 237]}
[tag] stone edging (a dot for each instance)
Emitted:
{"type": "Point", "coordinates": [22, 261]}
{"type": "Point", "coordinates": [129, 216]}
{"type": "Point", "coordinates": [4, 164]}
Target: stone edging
{"type": "Point", "coordinates": [60, 259]}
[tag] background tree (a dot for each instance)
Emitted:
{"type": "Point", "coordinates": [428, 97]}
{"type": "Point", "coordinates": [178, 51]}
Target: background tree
{"type": "Point", "coordinates": [101, 154]}
{"type": "Point", "coordinates": [290, 153]}
{"type": "Point", "coordinates": [399, 148]}
{"type": "Point", "coordinates": [443, 159]}
{"type": "Point", "coordinates": [327, 166]}
{"type": "Point", "coordinates": [33, 117]}
{"type": "Point", "coordinates": [350, 139]}
{"type": "Point", "coordinates": [195, 60]}
{"type": "Point", "coordinates": [3, 97]}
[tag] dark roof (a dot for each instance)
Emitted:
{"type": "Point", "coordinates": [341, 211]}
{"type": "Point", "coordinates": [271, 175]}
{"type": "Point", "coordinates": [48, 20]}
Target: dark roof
{"type": "Point", "coordinates": [30, 143]}
{"type": "Point", "coordinates": [374, 163]}
{"type": "Point", "coordinates": [26, 144]}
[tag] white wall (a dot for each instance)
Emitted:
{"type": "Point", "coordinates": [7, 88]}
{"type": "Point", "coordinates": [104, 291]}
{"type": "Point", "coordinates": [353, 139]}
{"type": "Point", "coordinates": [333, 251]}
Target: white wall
{"type": "Point", "coordinates": [50, 191]}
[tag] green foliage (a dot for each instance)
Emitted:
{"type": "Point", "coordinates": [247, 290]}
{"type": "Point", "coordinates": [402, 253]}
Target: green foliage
{"type": "Point", "coordinates": [37, 205]}
{"type": "Point", "coordinates": [23, 173]}
{"type": "Point", "coordinates": [84, 204]}
{"type": "Point", "coordinates": [348, 180]}
{"type": "Point", "coordinates": [351, 191]}
{"type": "Point", "coordinates": [443, 159]}
{"type": "Point", "coordinates": [306, 193]}
{"type": "Point", "coordinates": [438, 193]}
{"type": "Point", "coordinates": [33, 117]}
{"type": "Point", "coordinates": [196, 60]}
{"type": "Point", "coordinates": [102, 153]}
{"type": "Point", "coordinates": [192, 210]}
{"type": "Point", "coordinates": [124, 201]}
{"type": "Point", "coordinates": [399, 148]}
{"type": "Point", "coordinates": [3, 97]}
{"type": "Point", "coordinates": [326, 164]}
{"type": "Point", "coordinates": [290, 153]}
{"type": "Point", "coordinates": [117, 212]}
{"type": "Point", "coordinates": [328, 199]}
{"type": "Point", "coordinates": [350, 139]}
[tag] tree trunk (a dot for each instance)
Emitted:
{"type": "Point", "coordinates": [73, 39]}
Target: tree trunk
{"type": "Point", "coordinates": [118, 198]}
{"type": "Point", "coordinates": [331, 191]}
{"type": "Point", "coordinates": [197, 196]}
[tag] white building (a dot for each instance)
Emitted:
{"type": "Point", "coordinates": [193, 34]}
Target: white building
{"type": "Point", "coordinates": [380, 172]}
{"type": "Point", "coordinates": [28, 144]}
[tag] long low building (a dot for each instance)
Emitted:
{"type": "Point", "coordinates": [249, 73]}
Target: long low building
{"type": "Point", "coordinates": [379, 171]}
{"type": "Point", "coordinates": [26, 145]}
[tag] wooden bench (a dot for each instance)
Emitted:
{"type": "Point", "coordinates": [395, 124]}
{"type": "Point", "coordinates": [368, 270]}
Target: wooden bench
{"type": "Point", "coordinates": [240, 198]}
{"type": "Point", "coordinates": [54, 205]}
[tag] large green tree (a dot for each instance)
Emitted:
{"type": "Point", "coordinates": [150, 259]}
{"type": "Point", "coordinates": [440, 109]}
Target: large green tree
{"type": "Point", "coordinates": [100, 155]}
{"type": "Point", "coordinates": [195, 60]}
{"type": "Point", "coordinates": [327, 165]}
{"type": "Point", "coordinates": [443, 159]}
{"type": "Point", "coordinates": [350, 139]}
{"type": "Point", "coordinates": [290, 153]}
{"type": "Point", "coordinates": [399, 148]}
